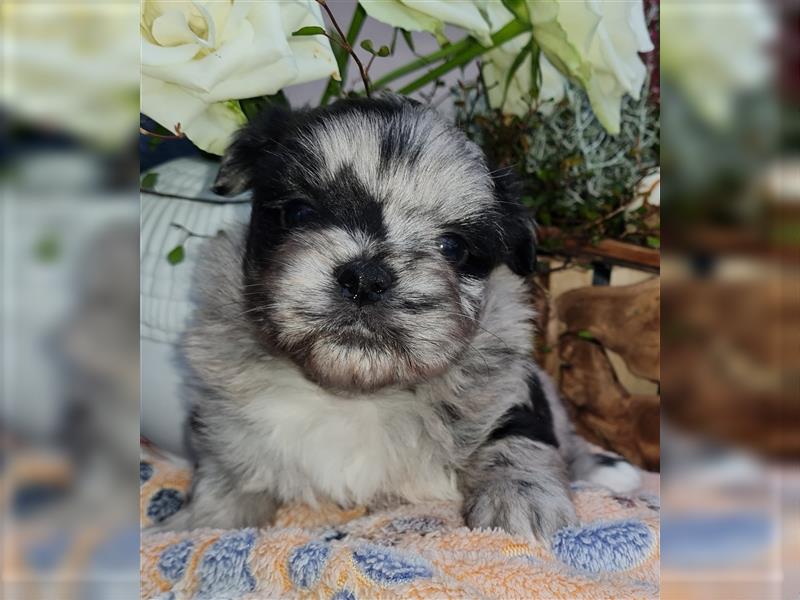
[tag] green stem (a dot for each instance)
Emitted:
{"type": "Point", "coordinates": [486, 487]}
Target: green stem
{"type": "Point", "coordinates": [423, 61]}
{"type": "Point", "coordinates": [334, 87]}
{"type": "Point", "coordinates": [471, 51]}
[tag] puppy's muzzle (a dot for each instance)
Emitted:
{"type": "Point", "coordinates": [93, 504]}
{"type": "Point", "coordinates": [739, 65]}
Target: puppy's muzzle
{"type": "Point", "coordinates": [363, 281]}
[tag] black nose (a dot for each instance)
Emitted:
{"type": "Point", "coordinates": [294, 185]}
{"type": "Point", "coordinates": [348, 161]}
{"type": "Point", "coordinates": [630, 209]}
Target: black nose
{"type": "Point", "coordinates": [363, 281]}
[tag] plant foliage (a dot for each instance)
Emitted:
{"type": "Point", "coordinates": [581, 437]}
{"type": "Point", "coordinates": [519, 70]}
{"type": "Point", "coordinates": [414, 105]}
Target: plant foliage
{"type": "Point", "coordinates": [574, 175]}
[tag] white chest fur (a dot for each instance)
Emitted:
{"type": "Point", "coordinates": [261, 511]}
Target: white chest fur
{"type": "Point", "coordinates": [309, 444]}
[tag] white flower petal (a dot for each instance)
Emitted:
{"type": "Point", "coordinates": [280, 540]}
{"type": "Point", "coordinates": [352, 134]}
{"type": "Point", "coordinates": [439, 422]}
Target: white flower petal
{"type": "Point", "coordinates": [214, 129]}
{"type": "Point", "coordinates": [605, 99]}
{"type": "Point", "coordinates": [153, 55]}
{"type": "Point", "coordinates": [313, 60]}
{"type": "Point", "coordinates": [628, 70]}
{"type": "Point", "coordinates": [431, 15]}
{"type": "Point", "coordinates": [172, 29]}
{"type": "Point", "coordinates": [239, 49]}
{"type": "Point", "coordinates": [593, 42]}
{"type": "Point", "coordinates": [461, 13]}
{"type": "Point", "coordinates": [238, 13]}
{"type": "Point", "coordinates": [397, 14]}
{"type": "Point", "coordinates": [542, 11]}
{"type": "Point", "coordinates": [209, 126]}
{"type": "Point", "coordinates": [638, 24]}
{"type": "Point", "coordinates": [553, 82]}
{"type": "Point", "coordinates": [295, 15]}
{"type": "Point", "coordinates": [580, 24]}
{"type": "Point", "coordinates": [169, 104]}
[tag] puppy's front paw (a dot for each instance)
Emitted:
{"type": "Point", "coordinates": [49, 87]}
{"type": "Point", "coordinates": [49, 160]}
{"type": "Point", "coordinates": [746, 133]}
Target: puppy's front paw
{"type": "Point", "coordinates": [521, 507]}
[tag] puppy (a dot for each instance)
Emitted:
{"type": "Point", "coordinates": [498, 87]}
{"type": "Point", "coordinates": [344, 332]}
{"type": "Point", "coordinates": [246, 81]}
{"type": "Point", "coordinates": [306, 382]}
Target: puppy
{"type": "Point", "coordinates": [368, 338]}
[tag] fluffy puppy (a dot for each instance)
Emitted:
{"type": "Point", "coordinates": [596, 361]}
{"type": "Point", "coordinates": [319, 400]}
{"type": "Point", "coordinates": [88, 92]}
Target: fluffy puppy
{"type": "Point", "coordinates": [368, 338]}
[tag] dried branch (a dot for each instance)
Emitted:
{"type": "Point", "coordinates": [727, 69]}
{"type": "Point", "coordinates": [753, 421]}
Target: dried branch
{"type": "Point", "coordinates": [177, 136]}
{"type": "Point", "coordinates": [342, 41]}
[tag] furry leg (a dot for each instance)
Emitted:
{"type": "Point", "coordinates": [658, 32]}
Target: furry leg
{"type": "Point", "coordinates": [215, 503]}
{"type": "Point", "coordinates": [520, 486]}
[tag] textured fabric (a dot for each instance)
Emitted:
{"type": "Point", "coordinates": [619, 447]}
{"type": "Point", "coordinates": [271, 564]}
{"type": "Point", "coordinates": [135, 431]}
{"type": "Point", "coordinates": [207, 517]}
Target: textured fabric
{"type": "Point", "coordinates": [411, 551]}
{"type": "Point", "coordinates": [166, 288]}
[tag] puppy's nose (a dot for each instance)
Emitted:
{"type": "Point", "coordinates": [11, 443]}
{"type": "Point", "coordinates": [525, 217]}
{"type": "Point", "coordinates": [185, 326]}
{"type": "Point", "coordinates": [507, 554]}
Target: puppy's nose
{"type": "Point", "coordinates": [363, 281]}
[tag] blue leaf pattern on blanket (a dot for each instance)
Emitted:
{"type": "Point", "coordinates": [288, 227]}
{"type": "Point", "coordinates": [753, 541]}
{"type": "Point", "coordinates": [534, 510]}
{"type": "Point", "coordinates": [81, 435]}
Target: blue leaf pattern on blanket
{"type": "Point", "coordinates": [388, 567]}
{"type": "Point", "coordinates": [604, 546]}
{"type": "Point", "coordinates": [172, 563]}
{"type": "Point", "coordinates": [344, 595]}
{"type": "Point", "coordinates": [165, 503]}
{"type": "Point", "coordinates": [145, 471]}
{"type": "Point", "coordinates": [307, 562]}
{"type": "Point", "coordinates": [224, 571]}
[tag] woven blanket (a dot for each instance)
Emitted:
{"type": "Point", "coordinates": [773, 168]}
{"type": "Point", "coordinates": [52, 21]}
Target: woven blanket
{"type": "Point", "coordinates": [411, 551]}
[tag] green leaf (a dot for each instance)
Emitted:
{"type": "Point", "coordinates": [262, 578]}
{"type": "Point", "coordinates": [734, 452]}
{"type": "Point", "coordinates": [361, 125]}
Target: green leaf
{"type": "Point", "coordinates": [409, 39]}
{"type": "Point", "coordinates": [536, 71]}
{"type": "Point", "coordinates": [176, 255]}
{"type": "Point", "coordinates": [334, 87]}
{"type": "Point", "coordinates": [468, 50]}
{"type": "Point", "coordinates": [653, 242]}
{"type": "Point", "coordinates": [384, 51]}
{"type": "Point", "coordinates": [518, 60]}
{"type": "Point", "coordinates": [355, 25]}
{"type": "Point", "coordinates": [519, 9]}
{"type": "Point", "coordinates": [149, 181]}
{"type": "Point", "coordinates": [252, 106]}
{"type": "Point", "coordinates": [47, 249]}
{"type": "Point", "coordinates": [310, 30]}
{"type": "Point", "coordinates": [585, 334]}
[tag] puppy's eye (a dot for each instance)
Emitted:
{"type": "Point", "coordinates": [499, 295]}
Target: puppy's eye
{"type": "Point", "coordinates": [297, 212]}
{"type": "Point", "coordinates": [454, 248]}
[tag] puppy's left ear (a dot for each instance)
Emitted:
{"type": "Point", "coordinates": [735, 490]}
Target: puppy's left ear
{"type": "Point", "coordinates": [233, 176]}
{"type": "Point", "coordinates": [517, 224]}
{"type": "Point", "coordinates": [251, 141]}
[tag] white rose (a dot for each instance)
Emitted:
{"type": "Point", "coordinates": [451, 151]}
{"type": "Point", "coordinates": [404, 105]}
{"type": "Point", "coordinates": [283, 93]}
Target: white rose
{"type": "Point", "coordinates": [609, 36]}
{"type": "Point", "coordinates": [430, 16]}
{"type": "Point", "coordinates": [713, 52]}
{"type": "Point", "coordinates": [596, 43]}
{"type": "Point", "coordinates": [198, 56]}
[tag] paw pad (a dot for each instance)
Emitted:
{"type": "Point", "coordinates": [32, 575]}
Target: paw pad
{"type": "Point", "coordinates": [603, 547]}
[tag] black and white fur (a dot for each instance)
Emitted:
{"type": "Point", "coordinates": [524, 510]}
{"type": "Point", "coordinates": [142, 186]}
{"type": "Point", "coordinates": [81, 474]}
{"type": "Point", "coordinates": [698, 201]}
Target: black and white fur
{"type": "Point", "coordinates": [430, 393]}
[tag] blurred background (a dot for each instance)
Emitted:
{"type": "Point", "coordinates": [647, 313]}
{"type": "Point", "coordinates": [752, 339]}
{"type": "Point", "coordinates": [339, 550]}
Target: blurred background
{"type": "Point", "coordinates": [70, 280]}
{"type": "Point", "coordinates": [730, 77]}
{"type": "Point", "coordinates": [706, 390]}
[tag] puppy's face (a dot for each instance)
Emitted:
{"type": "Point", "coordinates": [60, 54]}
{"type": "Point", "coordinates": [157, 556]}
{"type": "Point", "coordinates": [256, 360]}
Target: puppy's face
{"type": "Point", "coordinates": [375, 225]}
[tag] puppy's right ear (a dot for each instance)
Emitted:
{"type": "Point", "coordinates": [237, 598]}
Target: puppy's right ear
{"type": "Point", "coordinates": [264, 132]}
